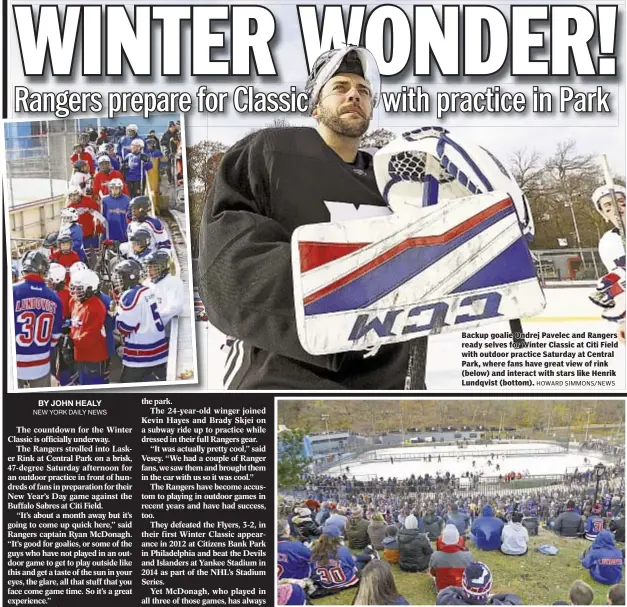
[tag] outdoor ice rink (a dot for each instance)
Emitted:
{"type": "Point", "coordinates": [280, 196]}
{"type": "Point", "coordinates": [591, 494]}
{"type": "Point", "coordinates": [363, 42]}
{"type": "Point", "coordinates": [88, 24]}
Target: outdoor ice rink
{"type": "Point", "coordinates": [568, 310]}
{"type": "Point", "coordinates": [533, 464]}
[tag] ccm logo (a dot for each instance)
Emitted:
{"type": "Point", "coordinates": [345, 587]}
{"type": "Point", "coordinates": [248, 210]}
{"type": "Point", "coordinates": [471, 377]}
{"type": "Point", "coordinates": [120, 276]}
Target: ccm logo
{"type": "Point", "coordinates": [425, 318]}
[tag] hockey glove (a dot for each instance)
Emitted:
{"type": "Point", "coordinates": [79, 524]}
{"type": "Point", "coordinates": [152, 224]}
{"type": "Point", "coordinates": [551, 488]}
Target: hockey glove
{"type": "Point", "coordinates": [610, 295]}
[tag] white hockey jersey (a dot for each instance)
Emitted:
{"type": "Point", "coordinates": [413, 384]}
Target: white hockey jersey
{"type": "Point", "coordinates": [139, 321]}
{"type": "Point", "coordinates": [159, 235]}
{"type": "Point", "coordinates": [612, 250]}
{"type": "Point", "coordinates": [171, 297]}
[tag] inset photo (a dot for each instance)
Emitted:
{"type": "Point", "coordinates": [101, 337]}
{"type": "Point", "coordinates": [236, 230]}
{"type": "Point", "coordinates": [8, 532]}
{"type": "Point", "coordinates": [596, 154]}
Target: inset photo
{"type": "Point", "coordinates": [99, 253]}
{"type": "Point", "coordinates": [450, 502]}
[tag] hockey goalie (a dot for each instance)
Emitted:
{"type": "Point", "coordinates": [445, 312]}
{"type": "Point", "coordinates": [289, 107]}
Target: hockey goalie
{"type": "Point", "coordinates": [451, 255]}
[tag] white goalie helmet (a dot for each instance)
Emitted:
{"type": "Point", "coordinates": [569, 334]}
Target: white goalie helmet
{"type": "Point", "coordinates": [602, 191]}
{"type": "Point", "coordinates": [77, 266]}
{"type": "Point", "coordinates": [56, 273]}
{"type": "Point", "coordinates": [84, 284]}
{"type": "Point", "coordinates": [69, 215]}
{"type": "Point", "coordinates": [429, 164]}
{"type": "Point", "coordinates": [138, 142]}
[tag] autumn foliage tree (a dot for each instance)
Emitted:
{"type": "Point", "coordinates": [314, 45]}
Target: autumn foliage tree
{"type": "Point", "coordinates": [203, 159]}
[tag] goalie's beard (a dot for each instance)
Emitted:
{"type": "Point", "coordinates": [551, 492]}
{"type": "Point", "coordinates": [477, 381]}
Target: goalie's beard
{"type": "Point", "coordinates": [333, 121]}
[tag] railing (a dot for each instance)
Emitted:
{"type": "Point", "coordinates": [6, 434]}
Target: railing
{"type": "Point", "coordinates": [379, 457]}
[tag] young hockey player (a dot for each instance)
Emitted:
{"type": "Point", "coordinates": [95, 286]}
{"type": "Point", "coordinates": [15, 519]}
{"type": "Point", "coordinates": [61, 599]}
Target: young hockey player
{"type": "Point", "coordinates": [81, 154]}
{"type": "Point", "coordinates": [139, 208]}
{"type": "Point", "coordinates": [136, 165]}
{"type": "Point", "coordinates": [88, 328]}
{"type": "Point", "coordinates": [38, 316]}
{"type": "Point", "coordinates": [64, 255]}
{"type": "Point", "coordinates": [124, 145]}
{"type": "Point", "coordinates": [145, 351]}
{"type": "Point", "coordinates": [69, 223]}
{"type": "Point", "coordinates": [168, 289]}
{"type": "Point", "coordinates": [104, 176]}
{"type": "Point", "coordinates": [610, 293]}
{"type": "Point", "coordinates": [63, 366]}
{"type": "Point", "coordinates": [108, 149]}
{"type": "Point", "coordinates": [81, 178]}
{"type": "Point", "coordinates": [88, 218]}
{"type": "Point", "coordinates": [115, 210]}
{"type": "Point", "coordinates": [140, 245]}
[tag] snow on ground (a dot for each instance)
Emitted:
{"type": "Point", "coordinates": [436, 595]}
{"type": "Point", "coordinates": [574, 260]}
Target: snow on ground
{"type": "Point", "coordinates": [568, 310]}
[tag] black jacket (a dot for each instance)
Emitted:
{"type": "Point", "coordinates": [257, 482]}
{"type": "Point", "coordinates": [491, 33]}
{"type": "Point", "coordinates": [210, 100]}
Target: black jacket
{"type": "Point", "coordinates": [414, 550]}
{"type": "Point", "coordinates": [267, 185]}
{"type": "Point", "coordinates": [433, 526]}
{"type": "Point", "coordinates": [617, 526]}
{"type": "Point", "coordinates": [569, 524]}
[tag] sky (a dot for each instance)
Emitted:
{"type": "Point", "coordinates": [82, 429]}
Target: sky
{"type": "Point", "coordinates": [501, 133]}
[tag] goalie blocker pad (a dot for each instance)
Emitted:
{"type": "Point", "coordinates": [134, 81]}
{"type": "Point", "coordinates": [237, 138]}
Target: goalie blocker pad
{"type": "Point", "coordinates": [460, 264]}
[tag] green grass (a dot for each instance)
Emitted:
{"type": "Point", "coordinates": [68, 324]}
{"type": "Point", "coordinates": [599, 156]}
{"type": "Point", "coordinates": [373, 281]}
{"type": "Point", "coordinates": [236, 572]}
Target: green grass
{"type": "Point", "coordinates": [538, 579]}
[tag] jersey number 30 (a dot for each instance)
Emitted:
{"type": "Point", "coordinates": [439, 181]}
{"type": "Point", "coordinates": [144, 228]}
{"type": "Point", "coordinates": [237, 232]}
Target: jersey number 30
{"type": "Point", "coordinates": [35, 328]}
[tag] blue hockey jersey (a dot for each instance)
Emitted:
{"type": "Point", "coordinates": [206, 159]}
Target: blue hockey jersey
{"type": "Point", "coordinates": [138, 320]}
{"type": "Point", "coordinates": [124, 146]}
{"type": "Point", "coordinates": [38, 317]}
{"type": "Point", "coordinates": [114, 211]}
{"type": "Point", "coordinates": [340, 573]}
{"type": "Point", "coordinates": [593, 526]}
{"type": "Point", "coordinates": [135, 166]}
{"type": "Point", "coordinates": [76, 232]}
{"type": "Point", "coordinates": [293, 560]}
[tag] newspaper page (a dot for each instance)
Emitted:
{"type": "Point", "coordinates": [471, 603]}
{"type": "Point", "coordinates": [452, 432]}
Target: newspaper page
{"type": "Point", "coordinates": [291, 199]}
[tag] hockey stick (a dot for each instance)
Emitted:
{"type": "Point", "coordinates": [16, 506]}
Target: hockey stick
{"type": "Point", "coordinates": [609, 181]}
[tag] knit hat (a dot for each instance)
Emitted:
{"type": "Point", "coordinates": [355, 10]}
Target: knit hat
{"type": "Point", "coordinates": [477, 582]}
{"type": "Point", "coordinates": [377, 517]}
{"type": "Point", "coordinates": [411, 522]}
{"type": "Point", "coordinates": [331, 531]}
{"type": "Point", "coordinates": [357, 512]}
{"type": "Point", "coordinates": [304, 512]}
{"type": "Point", "coordinates": [450, 535]}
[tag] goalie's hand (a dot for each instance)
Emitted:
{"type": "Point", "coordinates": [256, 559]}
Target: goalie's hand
{"type": "Point", "coordinates": [610, 289]}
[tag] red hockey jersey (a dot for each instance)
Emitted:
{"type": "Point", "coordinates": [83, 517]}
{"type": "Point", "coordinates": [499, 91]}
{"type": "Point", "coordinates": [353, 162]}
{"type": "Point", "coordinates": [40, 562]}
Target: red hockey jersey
{"type": "Point", "coordinates": [101, 183]}
{"type": "Point", "coordinates": [88, 330]}
{"type": "Point", "coordinates": [87, 157]}
{"type": "Point", "coordinates": [85, 218]}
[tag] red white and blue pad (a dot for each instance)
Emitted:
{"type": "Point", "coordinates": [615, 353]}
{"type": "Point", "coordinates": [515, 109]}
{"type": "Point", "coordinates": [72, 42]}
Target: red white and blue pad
{"type": "Point", "coordinates": [459, 264]}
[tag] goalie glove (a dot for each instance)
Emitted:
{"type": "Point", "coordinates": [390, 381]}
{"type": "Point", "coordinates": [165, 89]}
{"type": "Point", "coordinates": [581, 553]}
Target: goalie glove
{"type": "Point", "coordinates": [610, 295]}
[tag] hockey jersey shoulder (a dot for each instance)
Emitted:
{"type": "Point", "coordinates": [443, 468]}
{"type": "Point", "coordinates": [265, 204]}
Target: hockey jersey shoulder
{"type": "Point", "coordinates": [155, 224]}
{"type": "Point", "coordinates": [612, 250]}
{"type": "Point", "coordinates": [131, 297]}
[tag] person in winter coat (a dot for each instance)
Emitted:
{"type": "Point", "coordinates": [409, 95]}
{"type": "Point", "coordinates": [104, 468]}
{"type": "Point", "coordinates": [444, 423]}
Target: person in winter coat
{"type": "Point", "coordinates": [459, 519]}
{"type": "Point", "coordinates": [515, 537]}
{"type": "Point", "coordinates": [293, 558]}
{"type": "Point", "coordinates": [376, 531]}
{"type": "Point", "coordinates": [617, 527]}
{"type": "Point", "coordinates": [414, 547]}
{"type": "Point", "coordinates": [305, 527]}
{"type": "Point", "coordinates": [448, 564]}
{"type": "Point", "coordinates": [486, 530]}
{"type": "Point", "coordinates": [432, 525]}
{"type": "Point", "coordinates": [604, 560]}
{"type": "Point", "coordinates": [391, 552]}
{"type": "Point", "coordinates": [569, 523]}
{"type": "Point", "coordinates": [530, 522]}
{"type": "Point", "coordinates": [338, 519]}
{"type": "Point", "coordinates": [357, 530]}
{"type": "Point", "coordinates": [333, 564]}
{"type": "Point", "coordinates": [475, 590]}
{"type": "Point", "coordinates": [323, 514]}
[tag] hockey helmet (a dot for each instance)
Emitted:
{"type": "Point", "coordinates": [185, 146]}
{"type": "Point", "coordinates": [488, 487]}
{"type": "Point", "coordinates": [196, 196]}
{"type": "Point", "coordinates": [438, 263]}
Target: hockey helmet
{"type": "Point", "coordinates": [602, 191]}
{"type": "Point", "coordinates": [81, 166]}
{"type": "Point", "coordinates": [56, 275]}
{"type": "Point", "coordinates": [131, 130]}
{"type": "Point", "coordinates": [51, 240]}
{"type": "Point", "coordinates": [157, 264]}
{"type": "Point", "coordinates": [140, 240]}
{"type": "Point", "coordinates": [104, 163]}
{"type": "Point", "coordinates": [84, 284]}
{"type": "Point", "coordinates": [137, 143]}
{"type": "Point", "coordinates": [140, 207]}
{"type": "Point", "coordinates": [117, 184]}
{"type": "Point", "coordinates": [64, 238]}
{"type": "Point", "coordinates": [125, 275]}
{"type": "Point", "coordinates": [74, 193]}
{"type": "Point", "coordinates": [35, 262]}
{"type": "Point", "coordinates": [350, 59]}
{"type": "Point", "coordinates": [69, 214]}
{"type": "Point", "coordinates": [77, 266]}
